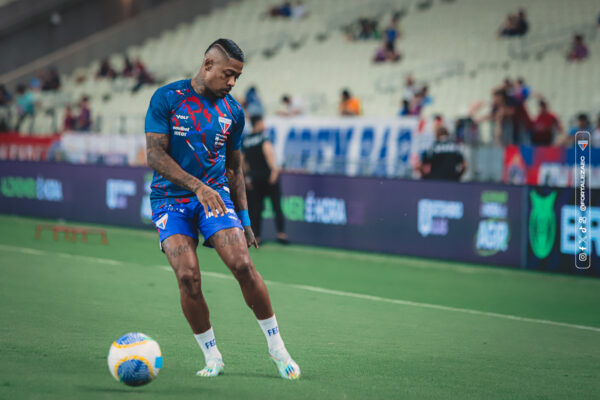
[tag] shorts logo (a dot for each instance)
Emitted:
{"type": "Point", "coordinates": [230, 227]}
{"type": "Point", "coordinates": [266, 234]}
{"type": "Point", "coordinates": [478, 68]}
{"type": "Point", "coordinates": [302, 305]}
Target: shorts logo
{"type": "Point", "coordinates": [225, 124]}
{"type": "Point", "coordinates": [162, 222]}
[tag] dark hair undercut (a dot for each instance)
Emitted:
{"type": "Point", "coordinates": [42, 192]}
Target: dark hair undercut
{"type": "Point", "coordinates": [227, 47]}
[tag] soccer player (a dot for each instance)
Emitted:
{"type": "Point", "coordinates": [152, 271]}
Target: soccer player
{"type": "Point", "coordinates": [193, 138]}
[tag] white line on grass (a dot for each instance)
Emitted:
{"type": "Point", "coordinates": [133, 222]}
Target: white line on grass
{"type": "Point", "coordinates": [316, 289]}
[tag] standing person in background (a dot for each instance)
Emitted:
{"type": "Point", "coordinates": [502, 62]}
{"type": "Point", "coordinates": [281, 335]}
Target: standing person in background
{"type": "Point", "coordinates": [545, 126]}
{"type": "Point", "coordinates": [69, 122]}
{"type": "Point", "coordinates": [262, 178]}
{"type": "Point", "coordinates": [444, 160]}
{"type": "Point", "coordinates": [349, 106]}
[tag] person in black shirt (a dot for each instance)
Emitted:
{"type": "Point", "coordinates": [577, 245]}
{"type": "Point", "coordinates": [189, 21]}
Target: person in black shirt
{"type": "Point", "coordinates": [444, 160]}
{"type": "Point", "coordinates": [262, 178]}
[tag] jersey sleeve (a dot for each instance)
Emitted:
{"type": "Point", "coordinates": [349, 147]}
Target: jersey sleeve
{"type": "Point", "coordinates": [158, 115]}
{"type": "Point", "coordinates": [238, 132]}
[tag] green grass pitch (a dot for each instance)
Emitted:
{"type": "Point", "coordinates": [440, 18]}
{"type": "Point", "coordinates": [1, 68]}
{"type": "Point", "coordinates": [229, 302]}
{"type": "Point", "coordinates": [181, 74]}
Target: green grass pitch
{"type": "Point", "coordinates": [360, 325]}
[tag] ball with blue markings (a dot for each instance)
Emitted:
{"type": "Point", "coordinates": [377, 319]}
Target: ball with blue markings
{"type": "Point", "coordinates": [134, 359]}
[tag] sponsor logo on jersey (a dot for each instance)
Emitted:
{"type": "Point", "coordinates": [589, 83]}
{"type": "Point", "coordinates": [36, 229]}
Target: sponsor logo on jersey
{"type": "Point", "coordinates": [184, 117]}
{"type": "Point", "coordinates": [162, 222]}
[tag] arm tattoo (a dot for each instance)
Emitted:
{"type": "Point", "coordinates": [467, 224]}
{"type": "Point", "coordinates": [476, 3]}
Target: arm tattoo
{"type": "Point", "coordinates": [157, 147]}
{"type": "Point", "coordinates": [235, 175]}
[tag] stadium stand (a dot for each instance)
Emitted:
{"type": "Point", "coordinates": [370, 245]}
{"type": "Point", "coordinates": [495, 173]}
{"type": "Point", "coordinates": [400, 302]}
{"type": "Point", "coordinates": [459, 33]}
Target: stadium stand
{"type": "Point", "coordinates": [450, 45]}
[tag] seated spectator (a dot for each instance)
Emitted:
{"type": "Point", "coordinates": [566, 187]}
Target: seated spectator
{"type": "Point", "coordinates": [579, 50]}
{"type": "Point", "coordinates": [69, 122]}
{"type": "Point", "coordinates": [50, 79]}
{"type": "Point", "coordinates": [299, 10]}
{"type": "Point", "coordinates": [25, 101]}
{"type": "Point", "coordinates": [128, 68]}
{"type": "Point", "coordinates": [290, 106]}
{"type": "Point", "coordinates": [349, 106]}
{"type": "Point", "coordinates": [522, 25]}
{"type": "Point", "coordinates": [283, 10]}
{"type": "Point", "coordinates": [84, 120]}
{"type": "Point", "coordinates": [509, 28]}
{"type": "Point", "coordinates": [546, 126]}
{"type": "Point", "coordinates": [5, 101]}
{"type": "Point", "coordinates": [444, 160]}
{"type": "Point", "coordinates": [142, 75]}
{"type": "Point", "coordinates": [405, 109]}
{"type": "Point", "coordinates": [410, 88]}
{"type": "Point", "coordinates": [420, 100]}
{"type": "Point", "coordinates": [386, 53]}
{"type": "Point", "coordinates": [582, 124]}
{"type": "Point", "coordinates": [105, 70]}
{"type": "Point", "coordinates": [252, 103]}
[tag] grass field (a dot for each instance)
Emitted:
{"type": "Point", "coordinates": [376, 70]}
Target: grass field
{"type": "Point", "coordinates": [361, 326]}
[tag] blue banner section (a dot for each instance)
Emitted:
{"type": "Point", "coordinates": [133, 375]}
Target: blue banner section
{"type": "Point", "coordinates": [349, 146]}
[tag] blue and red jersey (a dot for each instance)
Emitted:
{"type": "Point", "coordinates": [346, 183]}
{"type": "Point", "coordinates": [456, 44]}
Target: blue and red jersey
{"type": "Point", "coordinates": [200, 130]}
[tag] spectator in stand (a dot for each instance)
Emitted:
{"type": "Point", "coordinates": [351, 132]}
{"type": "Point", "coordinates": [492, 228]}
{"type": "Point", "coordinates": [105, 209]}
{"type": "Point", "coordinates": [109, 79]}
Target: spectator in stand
{"type": "Point", "coordinates": [106, 70]}
{"type": "Point", "coordinates": [420, 100]}
{"type": "Point", "coordinates": [69, 122]}
{"type": "Point", "coordinates": [299, 10]}
{"type": "Point", "coordinates": [5, 102]}
{"type": "Point", "coordinates": [596, 134]}
{"type": "Point", "coordinates": [290, 106]}
{"type": "Point", "coordinates": [128, 68]}
{"type": "Point", "coordinates": [392, 33]}
{"type": "Point", "coordinates": [546, 126]}
{"type": "Point", "coordinates": [386, 53]}
{"type": "Point", "coordinates": [84, 120]}
{"type": "Point", "coordinates": [521, 90]}
{"type": "Point", "coordinates": [405, 108]}
{"type": "Point", "coordinates": [349, 106]}
{"type": "Point", "coordinates": [503, 116]}
{"type": "Point", "coordinates": [522, 26]}
{"type": "Point", "coordinates": [579, 50]}
{"type": "Point", "coordinates": [444, 160]}
{"type": "Point", "coordinates": [142, 75]}
{"type": "Point", "coordinates": [509, 28]}
{"type": "Point", "coordinates": [410, 88]}
{"type": "Point", "coordinates": [582, 124]}
{"type": "Point", "coordinates": [50, 79]}
{"type": "Point", "coordinates": [284, 10]}
{"type": "Point", "coordinates": [25, 101]}
{"type": "Point", "coordinates": [252, 104]}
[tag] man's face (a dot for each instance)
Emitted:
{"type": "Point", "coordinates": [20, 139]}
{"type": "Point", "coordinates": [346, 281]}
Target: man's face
{"type": "Point", "coordinates": [221, 73]}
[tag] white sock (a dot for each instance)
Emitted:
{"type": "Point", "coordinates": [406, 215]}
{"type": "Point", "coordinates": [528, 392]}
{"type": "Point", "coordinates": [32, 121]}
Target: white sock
{"type": "Point", "coordinates": [271, 330]}
{"type": "Point", "coordinates": [207, 343]}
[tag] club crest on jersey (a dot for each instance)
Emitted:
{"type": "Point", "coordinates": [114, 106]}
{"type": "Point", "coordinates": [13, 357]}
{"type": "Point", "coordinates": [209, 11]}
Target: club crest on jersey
{"type": "Point", "coordinates": [225, 124]}
{"type": "Point", "coordinates": [162, 222]}
{"type": "Point", "coordinates": [582, 144]}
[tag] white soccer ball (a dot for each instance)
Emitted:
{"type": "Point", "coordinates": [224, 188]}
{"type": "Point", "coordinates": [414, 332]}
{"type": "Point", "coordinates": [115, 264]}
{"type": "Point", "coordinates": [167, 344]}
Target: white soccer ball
{"type": "Point", "coordinates": [134, 359]}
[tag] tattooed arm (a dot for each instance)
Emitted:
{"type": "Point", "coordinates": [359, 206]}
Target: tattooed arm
{"type": "Point", "coordinates": [157, 147]}
{"type": "Point", "coordinates": [237, 188]}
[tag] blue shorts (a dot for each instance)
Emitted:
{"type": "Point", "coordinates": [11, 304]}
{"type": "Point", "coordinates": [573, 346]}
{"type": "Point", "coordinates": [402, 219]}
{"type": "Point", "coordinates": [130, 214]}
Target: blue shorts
{"type": "Point", "coordinates": [189, 218]}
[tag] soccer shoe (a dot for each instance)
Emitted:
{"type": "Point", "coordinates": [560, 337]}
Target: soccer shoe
{"type": "Point", "coordinates": [288, 369]}
{"type": "Point", "coordinates": [213, 368]}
